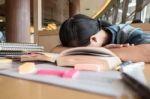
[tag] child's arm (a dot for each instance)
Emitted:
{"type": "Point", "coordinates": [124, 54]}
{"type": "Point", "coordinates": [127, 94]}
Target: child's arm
{"type": "Point", "coordinates": [133, 53]}
{"type": "Point", "coordinates": [109, 46]}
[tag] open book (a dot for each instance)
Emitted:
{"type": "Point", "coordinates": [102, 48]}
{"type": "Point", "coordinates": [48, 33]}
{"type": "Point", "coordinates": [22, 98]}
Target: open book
{"type": "Point", "coordinates": [80, 57]}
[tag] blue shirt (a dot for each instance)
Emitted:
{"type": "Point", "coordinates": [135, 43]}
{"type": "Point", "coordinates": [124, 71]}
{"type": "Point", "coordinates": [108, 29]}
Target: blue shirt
{"type": "Point", "coordinates": [124, 33]}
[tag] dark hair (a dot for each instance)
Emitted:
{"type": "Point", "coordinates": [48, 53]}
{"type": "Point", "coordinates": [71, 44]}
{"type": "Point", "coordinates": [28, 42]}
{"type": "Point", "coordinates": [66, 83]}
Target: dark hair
{"type": "Point", "coordinates": [137, 21]}
{"type": "Point", "coordinates": [77, 30]}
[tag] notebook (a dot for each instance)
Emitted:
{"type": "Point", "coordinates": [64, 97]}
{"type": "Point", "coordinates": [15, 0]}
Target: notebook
{"type": "Point", "coordinates": [18, 48]}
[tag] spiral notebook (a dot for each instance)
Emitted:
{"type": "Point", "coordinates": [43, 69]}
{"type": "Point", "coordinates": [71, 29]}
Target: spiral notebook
{"type": "Point", "coordinates": [19, 48]}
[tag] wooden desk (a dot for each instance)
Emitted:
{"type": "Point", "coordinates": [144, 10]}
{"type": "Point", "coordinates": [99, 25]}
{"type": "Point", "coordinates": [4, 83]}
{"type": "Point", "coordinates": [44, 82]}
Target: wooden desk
{"type": "Point", "coordinates": [13, 88]}
{"type": "Point", "coordinates": [147, 73]}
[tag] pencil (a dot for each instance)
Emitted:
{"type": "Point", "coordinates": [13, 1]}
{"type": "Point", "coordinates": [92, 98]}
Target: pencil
{"type": "Point", "coordinates": [142, 90]}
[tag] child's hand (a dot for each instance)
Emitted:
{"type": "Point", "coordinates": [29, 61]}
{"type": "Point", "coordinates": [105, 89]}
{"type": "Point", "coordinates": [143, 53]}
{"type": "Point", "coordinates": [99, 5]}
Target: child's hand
{"type": "Point", "coordinates": [117, 45]}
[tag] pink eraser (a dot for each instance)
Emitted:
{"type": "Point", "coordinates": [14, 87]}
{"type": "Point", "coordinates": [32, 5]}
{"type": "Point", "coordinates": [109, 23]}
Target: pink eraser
{"type": "Point", "coordinates": [90, 67]}
{"type": "Point", "coordinates": [70, 73]}
{"type": "Point", "coordinates": [50, 72]}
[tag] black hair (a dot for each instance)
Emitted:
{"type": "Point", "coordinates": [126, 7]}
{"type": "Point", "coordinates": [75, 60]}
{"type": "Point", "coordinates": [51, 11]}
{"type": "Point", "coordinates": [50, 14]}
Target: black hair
{"type": "Point", "coordinates": [137, 21]}
{"type": "Point", "coordinates": [77, 30]}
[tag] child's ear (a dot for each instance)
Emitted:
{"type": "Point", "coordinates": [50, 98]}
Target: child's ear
{"type": "Point", "coordinates": [93, 41]}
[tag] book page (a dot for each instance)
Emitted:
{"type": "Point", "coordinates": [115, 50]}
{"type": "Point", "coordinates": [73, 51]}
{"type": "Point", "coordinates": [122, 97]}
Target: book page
{"type": "Point", "coordinates": [40, 56]}
{"type": "Point", "coordinates": [89, 55]}
{"type": "Point", "coordinates": [87, 50]}
{"type": "Point", "coordinates": [105, 83]}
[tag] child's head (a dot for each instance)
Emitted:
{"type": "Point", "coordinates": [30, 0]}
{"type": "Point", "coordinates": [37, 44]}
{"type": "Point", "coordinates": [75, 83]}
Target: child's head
{"type": "Point", "coordinates": [78, 30]}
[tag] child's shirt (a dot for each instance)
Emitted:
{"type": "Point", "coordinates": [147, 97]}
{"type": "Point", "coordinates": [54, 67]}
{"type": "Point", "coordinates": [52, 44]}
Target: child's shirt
{"type": "Point", "coordinates": [124, 33]}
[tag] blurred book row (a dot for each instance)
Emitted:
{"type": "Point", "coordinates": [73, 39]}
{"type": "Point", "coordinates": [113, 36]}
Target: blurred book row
{"type": "Point", "coordinates": [7, 49]}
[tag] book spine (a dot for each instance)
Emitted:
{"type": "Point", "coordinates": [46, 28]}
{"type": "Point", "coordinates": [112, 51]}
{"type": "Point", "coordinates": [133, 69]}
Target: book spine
{"type": "Point", "coordinates": [20, 47]}
{"type": "Point", "coordinates": [18, 44]}
{"type": "Point", "coordinates": [11, 53]}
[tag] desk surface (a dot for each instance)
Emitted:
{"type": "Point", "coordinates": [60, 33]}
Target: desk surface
{"type": "Point", "coordinates": [13, 88]}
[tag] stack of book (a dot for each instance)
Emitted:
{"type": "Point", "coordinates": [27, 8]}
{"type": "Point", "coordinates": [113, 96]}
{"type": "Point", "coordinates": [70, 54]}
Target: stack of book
{"type": "Point", "coordinates": [18, 48]}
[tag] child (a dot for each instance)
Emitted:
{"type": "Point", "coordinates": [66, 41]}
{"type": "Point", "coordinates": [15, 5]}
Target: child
{"type": "Point", "coordinates": [81, 30]}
